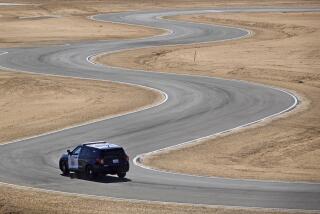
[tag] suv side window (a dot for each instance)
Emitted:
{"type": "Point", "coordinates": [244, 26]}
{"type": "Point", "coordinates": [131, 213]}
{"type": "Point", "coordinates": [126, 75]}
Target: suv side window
{"type": "Point", "coordinates": [85, 152]}
{"type": "Point", "coordinates": [93, 153]}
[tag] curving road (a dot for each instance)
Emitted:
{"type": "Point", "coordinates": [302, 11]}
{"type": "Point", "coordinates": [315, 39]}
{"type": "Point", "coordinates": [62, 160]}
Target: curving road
{"type": "Point", "coordinates": [196, 107]}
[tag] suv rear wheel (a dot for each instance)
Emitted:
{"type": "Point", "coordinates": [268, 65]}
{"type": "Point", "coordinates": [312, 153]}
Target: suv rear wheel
{"type": "Point", "coordinates": [90, 174]}
{"type": "Point", "coordinates": [121, 174]}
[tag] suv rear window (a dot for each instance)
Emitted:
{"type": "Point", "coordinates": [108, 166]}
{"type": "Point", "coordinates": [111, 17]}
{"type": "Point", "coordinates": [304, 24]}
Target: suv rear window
{"type": "Point", "coordinates": [110, 153]}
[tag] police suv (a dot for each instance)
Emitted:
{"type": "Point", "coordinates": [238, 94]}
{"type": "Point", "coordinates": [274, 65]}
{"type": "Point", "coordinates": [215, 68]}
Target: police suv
{"type": "Point", "coordinates": [94, 159]}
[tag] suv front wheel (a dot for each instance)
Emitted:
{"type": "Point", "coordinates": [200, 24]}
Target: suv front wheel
{"type": "Point", "coordinates": [64, 168]}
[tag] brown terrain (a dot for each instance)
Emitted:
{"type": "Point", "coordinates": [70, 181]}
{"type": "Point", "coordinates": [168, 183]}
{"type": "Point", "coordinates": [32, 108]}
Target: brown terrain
{"type": "Point", "coordinates": [34, 104]}
{"type": "Point", "coordinates": [284, 52]}
{"type": "Point", "coordinates": [51, 23]}
{"type": "Point", "coordinates": [53, 98]}
{"type": "Point", "coordinates": [25, 200]}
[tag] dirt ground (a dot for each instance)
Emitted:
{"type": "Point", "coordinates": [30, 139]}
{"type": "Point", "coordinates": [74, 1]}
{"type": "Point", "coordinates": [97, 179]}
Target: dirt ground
{"type": "Point", "coordinates": [52, 21]}
{"type": "Point", "coordinates": [34, 104]}
{"type": "Point", "coordinates": [44, 24]}
{"type": "Point", "coordinates": [23, 200]}
{"type": "Point", "coordinates": [284, 52]}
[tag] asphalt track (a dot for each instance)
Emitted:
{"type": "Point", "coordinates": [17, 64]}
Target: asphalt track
{"type": "Point", "coordinates": [196, 107]}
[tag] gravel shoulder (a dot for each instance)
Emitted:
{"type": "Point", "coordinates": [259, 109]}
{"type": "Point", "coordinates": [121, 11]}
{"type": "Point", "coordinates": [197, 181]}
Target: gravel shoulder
{"type": "Point", "coordinates": [284, 52]}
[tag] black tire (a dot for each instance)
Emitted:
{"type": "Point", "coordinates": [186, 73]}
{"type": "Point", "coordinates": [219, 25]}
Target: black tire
{"type": "Point", "coordinates": [90, 174]}
{"type": "Point", "coordinates": [64, 168]}
{"type": "Point", "coordinates": [121, 174]}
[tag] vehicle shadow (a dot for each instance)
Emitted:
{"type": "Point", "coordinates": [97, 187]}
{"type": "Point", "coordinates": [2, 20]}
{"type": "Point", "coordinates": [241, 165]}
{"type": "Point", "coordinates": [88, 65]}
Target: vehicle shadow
{"type": "Point", "coordinates": [101, 179]}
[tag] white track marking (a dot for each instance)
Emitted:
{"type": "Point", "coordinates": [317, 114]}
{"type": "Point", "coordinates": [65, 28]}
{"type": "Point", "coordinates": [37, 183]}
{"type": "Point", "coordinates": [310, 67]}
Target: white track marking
{"type": "Point", "coordinates": [166, 31]}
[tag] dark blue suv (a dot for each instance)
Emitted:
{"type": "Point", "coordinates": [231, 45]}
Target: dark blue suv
{"type": "Point", "coordinates": [94, 159]}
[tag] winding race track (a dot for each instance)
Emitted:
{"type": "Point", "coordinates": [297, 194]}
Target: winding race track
{"type": "Point", "coordinates": [195, 107]}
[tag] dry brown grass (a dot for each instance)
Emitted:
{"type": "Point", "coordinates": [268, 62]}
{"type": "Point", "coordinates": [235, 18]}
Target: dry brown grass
{"type": "Point", "coordinates": [284, 52]}
{"type": "Point", "coordinates": [51, 22]}
{"type": "Point", "coordinates": [21, 200]}
{"type": "Point", "coordinates": [45, 24]}
{"type": "Point", "coordinates": [34, 104]}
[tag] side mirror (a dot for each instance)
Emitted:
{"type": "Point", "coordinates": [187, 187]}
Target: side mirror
{"type": "Point", "coordinates": [69, 152]}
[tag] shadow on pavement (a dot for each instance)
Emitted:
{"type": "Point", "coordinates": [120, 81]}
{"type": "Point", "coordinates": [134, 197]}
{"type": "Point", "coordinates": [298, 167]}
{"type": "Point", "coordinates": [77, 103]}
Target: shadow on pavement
{"type": "Point", "coordinates": [100, 179]}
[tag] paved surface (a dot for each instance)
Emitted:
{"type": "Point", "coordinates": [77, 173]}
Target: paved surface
{"type": "Point", "coordinates": [196, 107]}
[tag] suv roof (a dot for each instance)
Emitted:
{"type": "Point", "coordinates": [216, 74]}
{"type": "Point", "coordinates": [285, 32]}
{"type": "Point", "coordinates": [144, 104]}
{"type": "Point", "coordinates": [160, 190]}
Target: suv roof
{"type": "Point", "coordinates": [102, 145]}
